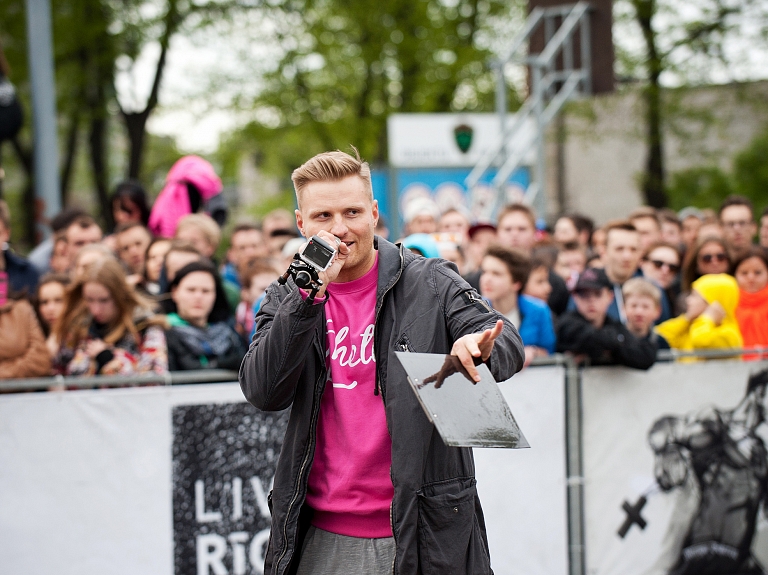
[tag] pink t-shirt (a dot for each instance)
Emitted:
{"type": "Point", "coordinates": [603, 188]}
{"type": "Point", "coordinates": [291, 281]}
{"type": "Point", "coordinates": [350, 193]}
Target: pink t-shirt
{"type": "Point", "coordinates": [350, 488]}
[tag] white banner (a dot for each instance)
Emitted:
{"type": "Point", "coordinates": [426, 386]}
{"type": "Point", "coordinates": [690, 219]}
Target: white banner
{"type": "Point", "coordinates": [523, 491]}
{"type": "Point", "coordinates": [172, 480]}
{"type": "Point", "coordinates": [153, 480]}
{"type": "Point", "coordinates": [675, 470]}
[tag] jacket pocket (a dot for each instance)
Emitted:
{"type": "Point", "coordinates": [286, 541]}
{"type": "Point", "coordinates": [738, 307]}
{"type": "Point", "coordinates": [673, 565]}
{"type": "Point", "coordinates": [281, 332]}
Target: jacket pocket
{"type": "Point", "coordinates": [450, 541]}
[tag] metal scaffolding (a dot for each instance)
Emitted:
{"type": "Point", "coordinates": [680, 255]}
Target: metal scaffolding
{"type": "Point", "coordinates": [555, 78]}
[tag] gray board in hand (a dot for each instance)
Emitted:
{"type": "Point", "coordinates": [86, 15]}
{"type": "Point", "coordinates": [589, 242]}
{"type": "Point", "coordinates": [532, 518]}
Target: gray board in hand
{"type": "Point", "coordinates": [465, 413]}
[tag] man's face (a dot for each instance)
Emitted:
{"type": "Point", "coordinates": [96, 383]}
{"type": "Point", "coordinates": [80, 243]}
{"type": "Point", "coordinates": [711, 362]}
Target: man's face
{"type": "Point", "coordinates": [246, 245]}
{"type": "Point", "coordinates": [662, 266]}
{"type": "Point", "coordinates": [641, 311]}
{"type": "Point", "coordinates": [132, 247]}
{"type": "Point", "coordinates": [671, 233]}
{"type": "Point", "coordinates": [496, 283]}
{"type": "Point", "coordinates": [77, 237]}
{"type": "Point", "coordinates": [565, 231]}
{"type": "Point", "coordinates": [570, 262]}
{"type": "Point", "coordinates": [346, 210]}
{"type": "Point", "coordinates": [622, 255]}
{"type": "Point", "coordinates": [593, 304]}
{"type": "Point", "coordinates": [649, 231]}
{"type": "Point", "coordinates": [198, 239]}
{"type": "Point", "coordinates": [454, 223]}
{"type": "Point", "coordinates": [516, 231]}
{"type": "Point", "coordinates": [738, 226]}
{"type": "Point", "coordinates": [422, 224]}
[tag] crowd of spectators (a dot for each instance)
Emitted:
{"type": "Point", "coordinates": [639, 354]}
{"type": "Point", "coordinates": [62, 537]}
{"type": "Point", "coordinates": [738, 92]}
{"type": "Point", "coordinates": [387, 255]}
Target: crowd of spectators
{"type": "Point", "coordinates": [150, 296]}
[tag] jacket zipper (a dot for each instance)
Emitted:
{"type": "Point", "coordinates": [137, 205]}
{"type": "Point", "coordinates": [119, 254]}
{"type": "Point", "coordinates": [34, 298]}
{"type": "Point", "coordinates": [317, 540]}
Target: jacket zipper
{"type": "Point", "coordinates": [384, 400]}
{"type": "Point", "coordinates": [312, 431]}
{"type": "Point", "coordinates": [377, 388]}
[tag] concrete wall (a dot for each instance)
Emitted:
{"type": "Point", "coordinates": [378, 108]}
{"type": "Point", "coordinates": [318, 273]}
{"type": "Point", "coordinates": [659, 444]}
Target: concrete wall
{"type": "Point", "coordinates": [604, 150]}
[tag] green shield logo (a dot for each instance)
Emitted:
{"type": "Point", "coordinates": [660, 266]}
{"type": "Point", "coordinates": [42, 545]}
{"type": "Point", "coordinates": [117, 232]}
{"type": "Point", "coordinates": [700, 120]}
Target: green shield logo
{"type": "Point", "coordinates": [463, 135]}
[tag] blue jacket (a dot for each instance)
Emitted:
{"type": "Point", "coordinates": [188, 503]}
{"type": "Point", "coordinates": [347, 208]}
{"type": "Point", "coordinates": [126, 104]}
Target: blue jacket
{"type": "Point", "coordinates": [22, 275]}
{"type": "Point", "coordinates": [536, 323]}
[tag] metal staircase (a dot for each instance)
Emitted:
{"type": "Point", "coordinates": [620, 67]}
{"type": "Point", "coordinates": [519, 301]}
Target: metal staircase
{"type": "Point", "coordinates": [554, 79]}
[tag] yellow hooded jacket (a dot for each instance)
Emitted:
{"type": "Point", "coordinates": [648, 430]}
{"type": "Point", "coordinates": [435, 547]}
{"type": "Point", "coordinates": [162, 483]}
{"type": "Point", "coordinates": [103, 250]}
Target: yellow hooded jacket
{"type": "Point", "coordinates": [702, 333]}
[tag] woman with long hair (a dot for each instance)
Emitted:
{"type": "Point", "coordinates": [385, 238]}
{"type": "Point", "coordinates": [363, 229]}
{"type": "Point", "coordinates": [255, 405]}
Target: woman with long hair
{"type": "Point", "coordinates": [106, 328]}
{"type": "Point", "coordinates": [199, 335]}
{"type": "Point", "coordinates": [709, 255]}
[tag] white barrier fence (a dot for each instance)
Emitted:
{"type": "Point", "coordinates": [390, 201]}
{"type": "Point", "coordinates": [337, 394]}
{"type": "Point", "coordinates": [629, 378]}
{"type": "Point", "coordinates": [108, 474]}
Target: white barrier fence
{"type": "Point", "coordinates": [172, 480]}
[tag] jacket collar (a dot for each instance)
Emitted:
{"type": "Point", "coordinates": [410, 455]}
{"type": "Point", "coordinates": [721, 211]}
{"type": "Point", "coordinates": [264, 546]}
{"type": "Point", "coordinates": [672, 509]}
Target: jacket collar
{"type": "Point", "coordinates": [391, 264]}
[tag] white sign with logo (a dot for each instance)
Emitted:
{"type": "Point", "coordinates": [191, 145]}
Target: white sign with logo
{"type": "Point", "coordinates": [443, 140]}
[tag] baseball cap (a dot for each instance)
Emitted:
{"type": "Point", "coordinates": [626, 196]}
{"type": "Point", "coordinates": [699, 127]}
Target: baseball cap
{"type": "Point", "coordinates": [478, 227]}
{"type": "Point", "coordinates": [592, 279]}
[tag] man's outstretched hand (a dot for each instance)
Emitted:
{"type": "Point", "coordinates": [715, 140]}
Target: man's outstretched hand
{"type": "Point", "coordinates": [476, 345]}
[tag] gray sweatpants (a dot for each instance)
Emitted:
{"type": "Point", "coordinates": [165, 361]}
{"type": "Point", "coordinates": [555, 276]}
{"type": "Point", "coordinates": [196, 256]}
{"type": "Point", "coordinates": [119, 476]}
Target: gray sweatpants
{"type": "Point", "coordinates": [327, 553]}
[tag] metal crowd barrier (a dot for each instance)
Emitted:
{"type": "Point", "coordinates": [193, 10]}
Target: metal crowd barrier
{"type": "Point", "coordinates": [573, 415]}
{"type": "Point", "coordinates": [99, 381]}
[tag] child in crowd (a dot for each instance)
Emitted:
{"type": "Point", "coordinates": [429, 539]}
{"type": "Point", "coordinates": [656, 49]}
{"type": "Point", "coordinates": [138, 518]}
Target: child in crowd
{"type": "Point", "coordinates": [538, 285]}
{"type": "Point", "coordinates": [588, 331]}
{"type": "Point", "coordinates": [255, 277]}
{"type": "Point", "coordinates": [642, 305]}
{"type": "Point", "coordinates": [709, 321]}
{"type": "Point", "coordinates": [504, 272]}
{"type": "Point", "coordinates": [751, 271]}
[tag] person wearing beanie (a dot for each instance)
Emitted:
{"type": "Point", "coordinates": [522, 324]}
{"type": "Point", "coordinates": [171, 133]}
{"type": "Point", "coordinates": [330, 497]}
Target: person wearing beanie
{"type": "Point", "coordinates": [710, 319]}
{"type": "Point", "coordinates": [423, 245]}
{"type": "Point", "coordinates": [421, 216]}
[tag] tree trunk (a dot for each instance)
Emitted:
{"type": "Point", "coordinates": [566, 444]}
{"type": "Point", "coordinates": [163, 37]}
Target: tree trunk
{"type": "Point", "coordinates": [69, 155]}
{"type": "Point", "coordinates": [135, 125]}
{"type": "Point", "coordinates": [653, 179]}
{"type": "Point", "coordinates": [97, 141]}
{"type": "Point", "coordinates": [136, 122]}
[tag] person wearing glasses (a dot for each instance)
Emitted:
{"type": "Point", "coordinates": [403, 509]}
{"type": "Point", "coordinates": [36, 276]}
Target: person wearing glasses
{"type": "Point", "coordinates": [708, 256]}
{"type": "Point", "coordinates": [737, 219]}
{"type": "Point", "coordinates": [661, 265]}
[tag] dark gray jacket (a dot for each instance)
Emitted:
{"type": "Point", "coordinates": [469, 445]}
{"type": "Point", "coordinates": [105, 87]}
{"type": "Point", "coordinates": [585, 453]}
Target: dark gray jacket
{"type": "Point", "coordinates": [422, 305]}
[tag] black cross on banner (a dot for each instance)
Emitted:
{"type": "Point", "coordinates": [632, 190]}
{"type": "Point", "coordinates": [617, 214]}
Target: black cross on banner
{"type": "Point", "coordinates": [633, 516]}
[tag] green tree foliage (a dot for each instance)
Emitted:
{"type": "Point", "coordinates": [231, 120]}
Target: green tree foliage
{"type": "Point", "coordinates": [707, 187]}
{"type": "Point", "coordinates": [750, 170]}
{"type": "Point", "coordinates": [347, 65]}
{"type": "Point", "coordinates": [704, 187]}
{"type": "Point", "coordinates": [95, 42]}
{"type": "Point", "coordinates": [682, 43]}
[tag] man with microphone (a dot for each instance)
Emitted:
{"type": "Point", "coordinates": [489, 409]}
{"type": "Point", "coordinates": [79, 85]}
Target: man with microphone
{"type": "Point", "coordinates": [364, 483]}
